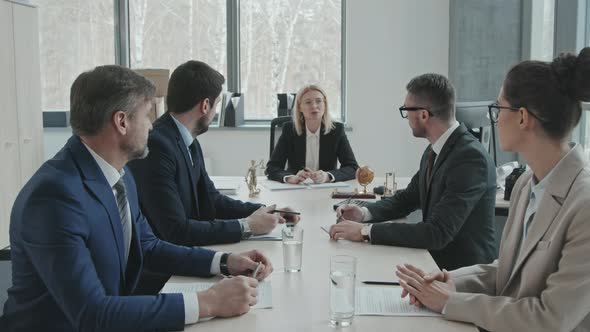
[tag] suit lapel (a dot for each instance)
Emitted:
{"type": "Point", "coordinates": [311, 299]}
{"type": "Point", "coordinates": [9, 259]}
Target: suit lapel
{"type": "Point", "coordinates": [300, 149]}
{"type": "Point", "coordinates": [556, 191]}
{"type": "Point", "coordinates": [135, 260]}
{"type": "Point", "coordinates": [422, 177]}
{"type": "Point", "coordinates": [326, 141]}
{"type": "Point", "coordinates": [512, 238]}
{"type": "Point", "coordinates": [440, 159]}
{"type": "Point", "coordinates": [446, 150]}
{"type": "Point", "coordinates": [548, 209]}
{"type": "Point", "coordinates": [172, 129]}
{"type": "Point", "coordinates": [96, 183]}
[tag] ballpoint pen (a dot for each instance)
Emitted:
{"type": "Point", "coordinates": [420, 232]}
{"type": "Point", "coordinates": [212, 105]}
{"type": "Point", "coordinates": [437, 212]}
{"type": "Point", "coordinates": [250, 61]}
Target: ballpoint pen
{"type": "Point", "coordinates": [286, 212]}
{"type": "Point", "coordinates": [339, 219]}
{"type": "Point", "coordinates": [256, 270]}
{"type": "Point", "coordinates": [384, 283]}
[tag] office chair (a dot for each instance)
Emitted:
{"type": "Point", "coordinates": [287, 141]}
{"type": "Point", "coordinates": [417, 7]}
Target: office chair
{"type": "Point", "coordinates": [5, 275]}
{"type": "Point", "coordinates": [475, 116]}
{"type": "Point", "coordinates": [286, 102]}
{"type": "Point", "coordinates": [274, 123]}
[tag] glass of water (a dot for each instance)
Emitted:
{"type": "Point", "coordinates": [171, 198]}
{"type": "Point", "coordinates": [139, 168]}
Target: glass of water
{"type": "Point", "coordinates": [292, 248]}
{"type": "Point", "coordinates": [342, 290]}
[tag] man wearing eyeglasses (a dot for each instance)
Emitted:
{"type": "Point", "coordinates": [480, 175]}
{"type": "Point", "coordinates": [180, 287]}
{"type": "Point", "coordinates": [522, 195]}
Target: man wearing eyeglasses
{"type": "Point", "coordinates": [455, 187]}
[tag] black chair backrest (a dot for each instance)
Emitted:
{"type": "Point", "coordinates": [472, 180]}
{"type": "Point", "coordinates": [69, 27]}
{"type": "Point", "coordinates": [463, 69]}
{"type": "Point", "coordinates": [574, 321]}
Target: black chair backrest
{"type": "Point", "coordinates": [5, 276]}
{"type": "Point", "coordinates": [274, 123]}
{"type": "Point", "coordinates": [474, 115]}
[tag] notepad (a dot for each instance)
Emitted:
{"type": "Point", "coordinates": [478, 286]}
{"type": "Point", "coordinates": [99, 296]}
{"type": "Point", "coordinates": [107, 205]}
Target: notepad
{"type": "Point", "coordinates": [226, 186]}
{"type": "Point", "coordinates": [387, 301]}
{"type": "Point", "coordinates": [264, 291]}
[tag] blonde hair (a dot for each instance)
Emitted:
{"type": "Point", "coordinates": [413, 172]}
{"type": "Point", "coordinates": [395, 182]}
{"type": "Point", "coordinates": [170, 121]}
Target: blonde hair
{"type": "Point", "coordinates": [299, 120]}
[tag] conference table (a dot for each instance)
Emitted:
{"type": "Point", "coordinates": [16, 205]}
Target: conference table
{"type": "Point", "coordinates": [300, 300]}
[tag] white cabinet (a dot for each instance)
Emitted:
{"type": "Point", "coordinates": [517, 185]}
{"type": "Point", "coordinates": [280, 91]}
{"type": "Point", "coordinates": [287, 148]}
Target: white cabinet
{"type": "Point", "coordinates": [21, 132]}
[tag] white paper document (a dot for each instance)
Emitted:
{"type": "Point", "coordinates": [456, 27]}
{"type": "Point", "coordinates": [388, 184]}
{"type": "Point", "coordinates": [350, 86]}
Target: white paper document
{"type": "Point", "coordinates": [274, 185]}
{"type": "Point", "coordinates": [386, 301]}
{"type": "Point", "coordinates": [274, 235]}
{"type": "Point", "coordinates": [264, 291]}
{"type": "Point", "coordinates": [329, 185]}
{"type": "Point", "coordinates": [226, 186]}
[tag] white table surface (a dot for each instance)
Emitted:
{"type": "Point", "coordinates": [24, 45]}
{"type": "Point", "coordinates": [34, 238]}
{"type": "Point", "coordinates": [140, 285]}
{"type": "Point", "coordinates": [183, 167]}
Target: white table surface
{"type": "Point", "coordinates": [301, 300]}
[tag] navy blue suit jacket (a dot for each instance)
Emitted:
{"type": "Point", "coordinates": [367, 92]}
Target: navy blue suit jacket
{"type": "Point", "coordinates": [68, 262]}
{"type": "Point", "coordinates": [180, 201]}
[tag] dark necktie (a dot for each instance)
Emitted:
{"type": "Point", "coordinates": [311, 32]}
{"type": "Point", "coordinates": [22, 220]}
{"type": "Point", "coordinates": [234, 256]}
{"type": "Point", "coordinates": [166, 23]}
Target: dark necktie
{"type": "Point", "coordinates": [193, 150]}
{"type": "Point", "coordinates": [430, 166]}
{"type": "Point", "coordinates": [123, 206]}
{"type": "Point", "coordinates": [205, 207]}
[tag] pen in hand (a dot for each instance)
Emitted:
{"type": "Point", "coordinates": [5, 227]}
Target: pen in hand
{"type": "Point", "coordinates": [384, 283]}
{"type": "Point", "coordinates": [286, 212]}
{"type": "Point", "coordinates": [339, 219]}
{"type": "Point", "coordinates": [256, 270]}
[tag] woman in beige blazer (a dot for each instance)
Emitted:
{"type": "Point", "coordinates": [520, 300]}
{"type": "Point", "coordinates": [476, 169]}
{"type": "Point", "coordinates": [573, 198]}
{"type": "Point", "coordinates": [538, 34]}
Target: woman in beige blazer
{"type": "Point", "coordinates": [541, 280]}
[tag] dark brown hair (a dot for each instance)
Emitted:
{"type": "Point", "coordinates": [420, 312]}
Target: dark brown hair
{"type": "Point", "coordinates": [551, 90]}
{"type": "Point", "coordinates": [191, 83]}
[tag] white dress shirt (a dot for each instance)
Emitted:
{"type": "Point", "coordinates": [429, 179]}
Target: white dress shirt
{"type": "Point", "coordinates": [312, 149]}
{"type": "Point", "coordinates": [312, 153]}
{"type": "Point", "coordinates": [191, 303]}
{"type": "Point", "coordinates": [436, 147]}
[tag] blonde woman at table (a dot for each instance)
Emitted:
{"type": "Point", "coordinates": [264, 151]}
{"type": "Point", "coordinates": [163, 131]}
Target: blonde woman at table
{"type": "Point", "coordinates": [312, 144]}
{"type": "Point", "coordinates": [540, 280]}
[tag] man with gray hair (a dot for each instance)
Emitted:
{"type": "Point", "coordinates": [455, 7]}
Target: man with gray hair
{"type": "Point", "coordinates": [455, 187]}
{"type": "Point", "coordinates": [79, 240]}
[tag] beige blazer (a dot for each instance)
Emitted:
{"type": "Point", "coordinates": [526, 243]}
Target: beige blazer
{"type": "Point", "coordinates": [546, 286]}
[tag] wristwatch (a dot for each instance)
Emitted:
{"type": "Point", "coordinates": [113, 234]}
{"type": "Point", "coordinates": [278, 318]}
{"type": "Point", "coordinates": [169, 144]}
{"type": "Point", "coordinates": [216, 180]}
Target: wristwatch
{"type": "Point", "coordinates": [246, 230]}
{"type": "Point", "coordinates": [223, 264]}
{"type": "Point", "coordinates": [366, 232]}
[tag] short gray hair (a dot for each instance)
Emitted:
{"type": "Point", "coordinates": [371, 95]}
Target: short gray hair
{"type": "Point", "coordinates": [97, 94]}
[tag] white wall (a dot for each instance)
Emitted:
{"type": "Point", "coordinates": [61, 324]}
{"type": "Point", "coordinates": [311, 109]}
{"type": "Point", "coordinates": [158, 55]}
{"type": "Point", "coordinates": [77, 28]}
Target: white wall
{"type": "Point", "coordinates": [388, 43]}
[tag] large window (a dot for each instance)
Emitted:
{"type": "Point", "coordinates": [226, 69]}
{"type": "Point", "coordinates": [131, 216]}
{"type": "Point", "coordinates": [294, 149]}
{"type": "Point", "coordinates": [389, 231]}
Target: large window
{"type": "Point", "coordinates": [166, 33]}
{"type": "Point", "coordinates": [286, 45]}
{"type": "Point", "coordinates": [74, 36]}
{"type": "Point", "coordinates": [277, 47]}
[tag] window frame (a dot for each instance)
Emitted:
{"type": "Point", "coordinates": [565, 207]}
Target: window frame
{"type": "Point", "coordinates": [123, 48]}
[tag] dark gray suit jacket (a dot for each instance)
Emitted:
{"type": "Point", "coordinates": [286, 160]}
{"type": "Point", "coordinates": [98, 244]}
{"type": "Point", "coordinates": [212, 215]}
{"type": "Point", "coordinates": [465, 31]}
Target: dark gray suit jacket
{"type": "Point", "coordinates": [458, 209]}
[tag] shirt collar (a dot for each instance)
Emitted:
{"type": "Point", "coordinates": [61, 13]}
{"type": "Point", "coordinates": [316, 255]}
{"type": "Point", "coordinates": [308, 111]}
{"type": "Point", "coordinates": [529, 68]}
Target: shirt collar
{"type": "Point", "coordinates": [110, 173]}
{"type": "Point", "coordinates": [309, 133]}
{"type": "Point", "coordinates": [539, 187]}
{"type": "Point", "coordinates": [440, 142]}
{"type": "Point", "coordinates": [187, 138]}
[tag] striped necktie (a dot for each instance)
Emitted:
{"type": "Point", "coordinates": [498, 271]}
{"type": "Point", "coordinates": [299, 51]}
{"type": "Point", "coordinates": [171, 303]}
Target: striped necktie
{"type": "Point", "coordinates": [125, 214]}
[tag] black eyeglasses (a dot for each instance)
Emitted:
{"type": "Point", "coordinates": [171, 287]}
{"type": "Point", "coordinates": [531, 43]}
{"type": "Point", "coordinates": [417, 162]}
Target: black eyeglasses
{"type": "Point", "coordinates": [494, 112]}
{"type": "Point", "coordinates": [403, 111]}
